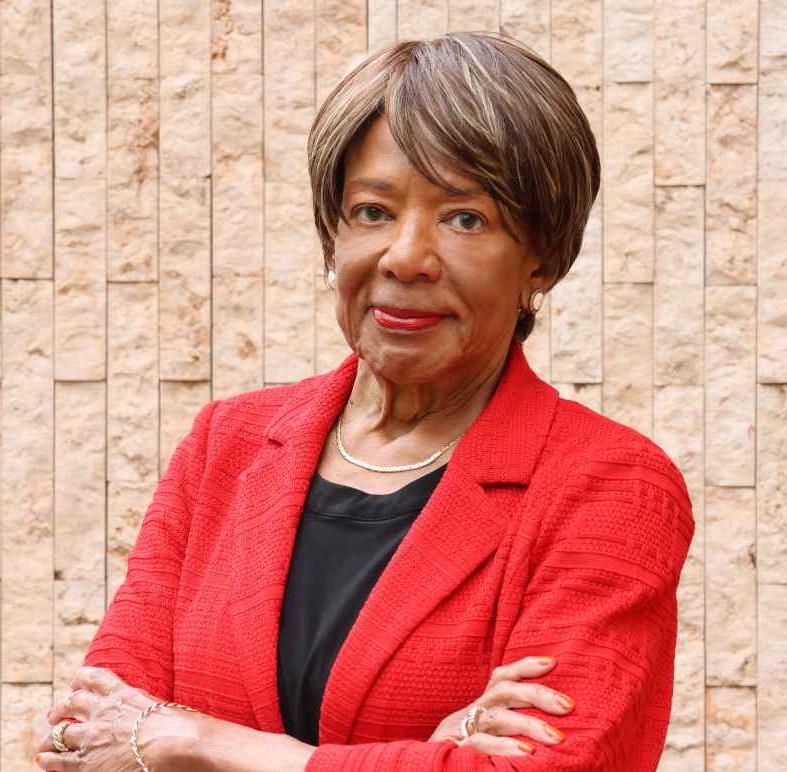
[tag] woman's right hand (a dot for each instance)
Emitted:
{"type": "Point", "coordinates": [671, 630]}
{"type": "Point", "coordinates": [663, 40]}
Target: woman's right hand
{"type": "Point", "coordinates": [498, 722]}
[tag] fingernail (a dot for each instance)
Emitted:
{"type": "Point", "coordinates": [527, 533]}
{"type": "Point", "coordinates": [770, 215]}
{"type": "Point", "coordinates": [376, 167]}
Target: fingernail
{"type": "Point", "coordinates": [553, 732]}
{"type": "Point", "coordinates": [525, 747]}
{"type": "Point", "coordinates": [565, 701]}
{"type": "Point", "coordinates": [545, 660]}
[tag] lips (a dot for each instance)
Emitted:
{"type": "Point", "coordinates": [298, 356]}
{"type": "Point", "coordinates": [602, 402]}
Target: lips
{"type": "Point", "coordinates": [405, 318]}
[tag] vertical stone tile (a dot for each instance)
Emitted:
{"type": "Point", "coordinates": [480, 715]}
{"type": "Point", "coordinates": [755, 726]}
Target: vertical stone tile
{"type": "Point", "coordinates": [340, 44]}
{"type": "Point", "coordinates": [79, 608]}
{"type": "Point", "coordinates": [473, 15]}
{"type": "Point", "coordinates": [237, 231]}
{"type": "Point", "coordinates": [730, 384]}
{"type": "Point", "coordinates": [27, 40]}
{"type": "Point", "coordinates": [678, 426]}
{"type": "Point", "coordinates": [576, 312]}
{"type": "Point", "coordinates": [732, 41]}
{"type": "Point", "coordinates": [237, 342]}
{"type": "Point", "coordinates": [730, 595]}
{"type": "Point", "coordinates": [577, 35]}
{"type": "Point", "coordinates": [132, 383]}
{"type": "Point", "coordinates": [289, 96]}
{"type": "Point", "coordinates": [381, 23]}
{"type": "Point", "coordinates": [678, 287]}
{"type": "Point", "coordinates": [732, 185]}
{"type": "Point", "coordinates": [27, 481]}
{"type": "Point", "coordinates": [180, 403]}
{"type": "Point", "coordinates": [772, 283]}
{"type": "Point", "coordinates": [731, 719]}
{"type": "Point", "coordinates": [289, 283]}
{"type": "Point", "coordinates": [421, 19]}
{"type": "Point", "coordinates": [80, 480]}
{"type": "Point", "coordinates": [132, 189]}
{"type": "Point", "coordinates": [26, 168]}
{"type": "Point", "coordinates": [185, 87]}
{"type": "Point", "coordinates": [679, 72]}
{"type": "Point", "coordinates": [587, 394]}
{"type": "Point", "coordinates": [537, 346]}
{"type": "Point", "coordinates": [684, 749]}
{"type": "Point", "coordinates": [127, 503]}
{"type": "Point", "coordinates": [529, 23]}
{"type": "Point", "coordinates": [237, 37]}
{"type": "Point", "coordinates": [772, 483]}
{"type": "Point", "coordinates": [772, 91]}
{"type": "Point", "coordinates": [79, 88]}
{"type": "Point", "coordinates": [23, 711]}
{"type": "Point", "coordinates": [628, 355]}
{"type": "Point", "coordinates": [771, 677]}
{"type": "Point", "coordinates": [132, 39]}
{"type": "Point", "coordinates": [628, 41]}
{"type": "Point", "coordinates": [237, 208]}
{"type": "Point", "coordinates": [628, 183]}
{"type": "Point", "coordinates": [184, 284]}
{"type": "Point", "coordinates": [80, 279]}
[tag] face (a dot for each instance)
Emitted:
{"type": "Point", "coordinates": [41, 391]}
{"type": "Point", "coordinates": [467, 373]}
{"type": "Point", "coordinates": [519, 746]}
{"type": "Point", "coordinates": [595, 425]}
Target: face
{"type": "Point", "coordinates": [428, 284]}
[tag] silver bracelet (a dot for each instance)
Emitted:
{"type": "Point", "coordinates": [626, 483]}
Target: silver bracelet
{"type": "Point", "coordinates": [148, 710]}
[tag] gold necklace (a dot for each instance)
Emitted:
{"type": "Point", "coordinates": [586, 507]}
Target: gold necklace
{"type": "Point", "coordinates": [376, 467]}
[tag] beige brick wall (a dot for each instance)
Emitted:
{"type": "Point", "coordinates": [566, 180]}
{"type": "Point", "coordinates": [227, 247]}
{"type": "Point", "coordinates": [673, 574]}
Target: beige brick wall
{"type": "Point", "coordinates": [156, 251]}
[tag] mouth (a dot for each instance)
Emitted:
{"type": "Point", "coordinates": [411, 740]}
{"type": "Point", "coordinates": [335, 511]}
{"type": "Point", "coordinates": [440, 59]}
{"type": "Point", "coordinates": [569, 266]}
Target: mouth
{"type": "Point", "coordinates": [392, 318]}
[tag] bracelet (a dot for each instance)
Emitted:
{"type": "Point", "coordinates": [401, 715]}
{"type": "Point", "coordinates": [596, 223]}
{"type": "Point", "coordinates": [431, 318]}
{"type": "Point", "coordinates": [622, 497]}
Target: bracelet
{"type": "Point", "coordinates": [146, 712]}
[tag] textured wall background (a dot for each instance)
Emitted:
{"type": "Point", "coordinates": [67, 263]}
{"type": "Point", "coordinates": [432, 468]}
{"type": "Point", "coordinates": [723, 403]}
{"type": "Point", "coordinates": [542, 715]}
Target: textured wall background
{"type": "Point", "coordinates": [157, 251]}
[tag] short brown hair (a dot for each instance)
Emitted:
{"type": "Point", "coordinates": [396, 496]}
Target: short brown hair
{"type": "Point", "coordinates": [485, 105]}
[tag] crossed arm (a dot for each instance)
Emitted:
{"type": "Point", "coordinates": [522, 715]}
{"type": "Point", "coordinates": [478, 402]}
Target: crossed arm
{"type": "Point", "coordinates": [603, 604]}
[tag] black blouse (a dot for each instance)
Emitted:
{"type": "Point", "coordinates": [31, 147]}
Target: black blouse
{"type": "Point", "coordinates": [345, 539]}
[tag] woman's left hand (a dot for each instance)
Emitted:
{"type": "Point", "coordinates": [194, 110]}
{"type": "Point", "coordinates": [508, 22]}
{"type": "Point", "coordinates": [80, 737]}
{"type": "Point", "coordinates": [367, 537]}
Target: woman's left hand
{"type": "Point", "coordinates": [106, 708]}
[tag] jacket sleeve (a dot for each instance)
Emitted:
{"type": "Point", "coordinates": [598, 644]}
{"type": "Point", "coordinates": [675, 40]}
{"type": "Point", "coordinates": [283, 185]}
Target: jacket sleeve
{"type": "Point", "coordinates": [601, 598]}
{"type": "Point", "coordinates": [134, 639]}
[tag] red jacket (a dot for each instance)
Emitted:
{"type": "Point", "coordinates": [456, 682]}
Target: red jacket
{"type": "Point", "coordinates": [554, 531]}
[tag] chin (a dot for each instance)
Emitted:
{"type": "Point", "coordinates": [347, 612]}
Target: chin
{"type": "Point", "coordinates": [410, 361]}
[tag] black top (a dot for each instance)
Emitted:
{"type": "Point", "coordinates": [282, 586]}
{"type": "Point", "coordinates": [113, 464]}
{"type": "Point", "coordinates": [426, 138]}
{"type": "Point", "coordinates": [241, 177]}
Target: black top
{"type": "Point", "coordinates": [345, 539]}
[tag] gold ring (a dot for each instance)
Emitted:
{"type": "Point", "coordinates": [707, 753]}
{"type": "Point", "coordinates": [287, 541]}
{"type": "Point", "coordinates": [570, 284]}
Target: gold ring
{"type": "Point", "coordinates": [56, 736]}
{"type": "Point", "coordinates": [471, 719]}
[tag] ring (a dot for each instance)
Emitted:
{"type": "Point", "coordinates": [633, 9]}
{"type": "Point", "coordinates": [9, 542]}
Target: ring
{"type": "Point", "coordinates": [471, 719]}
{"type": "Point", "coordinates": [56, 736]}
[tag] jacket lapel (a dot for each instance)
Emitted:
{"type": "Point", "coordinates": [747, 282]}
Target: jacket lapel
{"type": "Point", "coordinates": [456, 531]}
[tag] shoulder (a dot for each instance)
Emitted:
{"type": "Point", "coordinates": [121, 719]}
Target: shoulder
{"type": "Point", "coordinates": [617, 492]}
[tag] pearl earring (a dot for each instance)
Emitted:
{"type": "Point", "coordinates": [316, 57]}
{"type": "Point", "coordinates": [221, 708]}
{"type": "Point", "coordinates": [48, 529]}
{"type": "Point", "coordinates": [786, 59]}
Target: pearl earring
{"type": "Point", "coordinates": [331, 280]}
{"type": "Point", "coordinates": [536, 300]}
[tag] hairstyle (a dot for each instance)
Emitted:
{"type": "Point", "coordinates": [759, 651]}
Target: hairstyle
{"type": "Point", "coordinates": [486, 106]}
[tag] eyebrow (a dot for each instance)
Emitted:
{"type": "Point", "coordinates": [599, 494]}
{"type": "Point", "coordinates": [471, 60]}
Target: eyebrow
{"type": "Point", "coordinates": [373, 183]}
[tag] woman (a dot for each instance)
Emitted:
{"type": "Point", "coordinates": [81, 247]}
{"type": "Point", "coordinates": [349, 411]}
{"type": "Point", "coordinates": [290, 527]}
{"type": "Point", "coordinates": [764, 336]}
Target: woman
{"type": "Point", "coordinates": [364, 570]}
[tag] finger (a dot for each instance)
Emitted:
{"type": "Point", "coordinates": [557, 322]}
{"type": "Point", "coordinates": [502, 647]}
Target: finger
{"type": "Point", "coordinates": [522, 695]}
{"type": "Point", "coordinates": [75, 704]}
{"type": "Point", "coordinates": [500, 746]}
{"type": "Point", "coordinates": [58, 762]}
{"type": "Point", "coordinates": [500, 721]}
{"type": "Point", "coordinates": [96, 679]}
{"type": "Point", "coordinates": [74, 736]}
{"type": "Point", "coordinates": [527, 667]}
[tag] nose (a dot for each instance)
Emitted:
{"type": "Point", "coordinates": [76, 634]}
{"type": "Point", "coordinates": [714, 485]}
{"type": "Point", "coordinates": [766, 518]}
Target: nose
{"type": "Point", "coordinates": [412, 253]}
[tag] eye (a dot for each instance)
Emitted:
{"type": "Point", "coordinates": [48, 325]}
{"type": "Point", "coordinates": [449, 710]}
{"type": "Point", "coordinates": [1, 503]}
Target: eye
{"type": "Point", "coordinates": [373, 213]}
{"type": "Point", "coordinates": [467, 221]}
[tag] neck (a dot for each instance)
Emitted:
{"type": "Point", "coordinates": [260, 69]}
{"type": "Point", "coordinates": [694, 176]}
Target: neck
{"type": "Point", "coordinates": [452, 402]}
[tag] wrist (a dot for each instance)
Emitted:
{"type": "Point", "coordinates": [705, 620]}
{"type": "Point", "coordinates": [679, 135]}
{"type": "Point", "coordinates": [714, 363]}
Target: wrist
{"type": "Point", "coordinates": [168, 738]}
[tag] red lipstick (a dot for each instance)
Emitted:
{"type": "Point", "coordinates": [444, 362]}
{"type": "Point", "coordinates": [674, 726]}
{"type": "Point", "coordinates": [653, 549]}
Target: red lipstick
{"type": "Point", "coordinates": [404, 318]}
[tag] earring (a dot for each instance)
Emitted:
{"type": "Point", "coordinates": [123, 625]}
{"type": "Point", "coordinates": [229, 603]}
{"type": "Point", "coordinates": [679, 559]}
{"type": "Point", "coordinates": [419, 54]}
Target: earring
{"type": "Point", "coordinates": [331, 280]}
{"type": "Point", "coordinates": [536, 301]}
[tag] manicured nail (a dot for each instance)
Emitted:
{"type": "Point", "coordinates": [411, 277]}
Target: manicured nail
{"type": "Point", "coordinates": [545, 660]}
{"type": "Point", "coordinates": [554, 733]}
{"type": "Point", "coordinates": [565, 701]}
{"type": "Point", "coordinates": [525, 747]}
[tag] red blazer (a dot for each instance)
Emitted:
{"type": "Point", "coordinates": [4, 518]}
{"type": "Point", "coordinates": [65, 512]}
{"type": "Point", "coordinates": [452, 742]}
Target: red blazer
{"type": "Point", "coordinates": [554, 531]}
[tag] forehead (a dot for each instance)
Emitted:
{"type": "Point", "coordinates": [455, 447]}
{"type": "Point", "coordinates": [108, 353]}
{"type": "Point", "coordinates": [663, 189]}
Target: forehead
{"type": "Point", "coordinates": [375, 161]}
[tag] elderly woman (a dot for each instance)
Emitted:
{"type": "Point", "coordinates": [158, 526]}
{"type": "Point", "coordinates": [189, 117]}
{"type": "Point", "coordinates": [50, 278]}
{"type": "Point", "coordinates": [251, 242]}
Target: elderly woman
{"type": "Point", "coordinates": [424, 559]}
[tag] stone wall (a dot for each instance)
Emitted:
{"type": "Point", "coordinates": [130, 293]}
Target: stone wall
{"type": "Point", "coordinates": [156, 252]}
